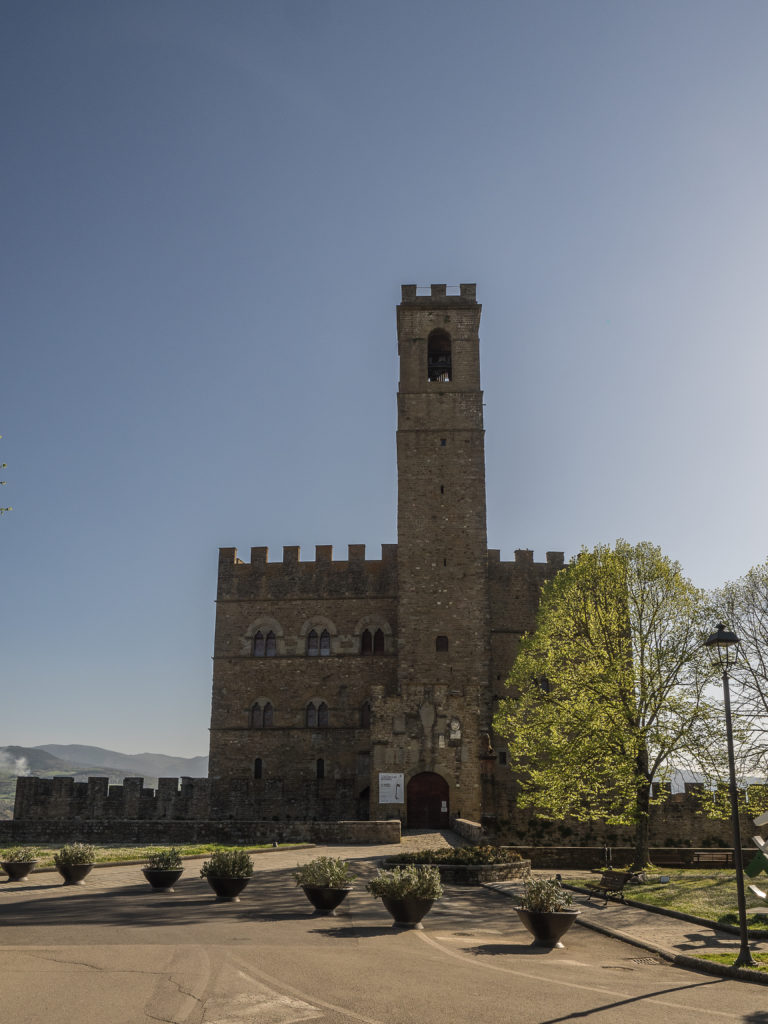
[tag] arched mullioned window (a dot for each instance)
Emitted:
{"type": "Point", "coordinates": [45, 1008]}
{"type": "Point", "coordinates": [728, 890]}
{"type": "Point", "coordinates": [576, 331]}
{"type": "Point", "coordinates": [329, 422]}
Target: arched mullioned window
{"type": "Point", "coordinates": [258, 768]}
{"type": "Point", "coordinates": [320, 768]}
{"type": "Point", "coordinates": [262, 716]}
{"type": "Point", "coordinates": [439, 356]}
{"type": "Point", "coordinates": [372, 643]}
{"type": "Point", "coordinates": [365, 715]}
{"type": "Point", "coordinates": [264, 646]}
{"type": "Point", "coordinates": [325, 643]}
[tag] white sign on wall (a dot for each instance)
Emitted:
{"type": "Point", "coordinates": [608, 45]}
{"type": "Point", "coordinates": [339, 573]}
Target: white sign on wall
{"type": "Point", "coordinates": [391, 788]}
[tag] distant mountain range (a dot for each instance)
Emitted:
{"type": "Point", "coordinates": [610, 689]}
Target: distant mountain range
{"type": "Point", "coordinates": [72, 758]}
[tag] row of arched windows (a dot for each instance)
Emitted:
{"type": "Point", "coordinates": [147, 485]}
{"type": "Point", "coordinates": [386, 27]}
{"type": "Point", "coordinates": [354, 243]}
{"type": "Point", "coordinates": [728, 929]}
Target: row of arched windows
{"type": "Point", "coordinates": [316, 715]}
{"type": "Point", "coordinates": [318, 644]}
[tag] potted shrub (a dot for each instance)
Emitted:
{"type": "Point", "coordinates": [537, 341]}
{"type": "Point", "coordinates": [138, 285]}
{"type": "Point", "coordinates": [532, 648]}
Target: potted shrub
{"type": "Point", "coordinates": [545, 912]}
{"type": "Point", "coordinates": [74, 861]}
{"type": "Point", "coordinates": [228, 872]}
{"type": "Point", "coordinates": [162, 869]}
{"type": "Point", "coordinates": [18, 862]}
{"type": "Point", "coordinates": [326, 881]}
{"type": "Point", "coordinates": [408, 892]}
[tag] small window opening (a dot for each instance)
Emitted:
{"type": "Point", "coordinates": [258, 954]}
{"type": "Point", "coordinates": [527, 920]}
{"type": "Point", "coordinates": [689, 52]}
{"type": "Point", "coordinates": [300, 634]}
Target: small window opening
{"type": "Point", "coordinates": [313, 644]}
{"type": "Point", "coordinates": [442, 489]}
{"type": "Point", "coordinates": [366, 642]}
{"type": "Point", "coordinates": [378, 642]}
{"type": "Point", "coordinates": [445, 561]}
{"type": "Point", "coordinates": [442, 442]}
{"type": "Point", "coordinates": [257, 768]}
{"type": "Point", "coordinates": [365, 715]}
{"type": "Point", "coordinates": [325, 643]}
{"type": "Point", "coordinates": [270, 645]}
{"type": "Point", "coordinates": [439, 357]}
{"type": "Point", "coordinates": [502, 757]}
{"type": "Point", "coordinates": [259, 645]}
{"type": "Point", "coordinates": [441, 643]}
{"type": "Point", "coordinates": [322, 716]}
{"type": "Point", "coordinates": [320, 768]}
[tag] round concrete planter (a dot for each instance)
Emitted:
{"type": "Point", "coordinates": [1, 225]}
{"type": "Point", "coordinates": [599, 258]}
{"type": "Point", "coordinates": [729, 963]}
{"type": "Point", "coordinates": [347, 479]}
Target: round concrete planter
{"type": "Point", "coordinates": [325, 899]}
{"type": "Point", "coordinates": [407, 911]}
{"type": "Point", "coordinates": [547, 927]}
{"type": "Point", "coordinates": [17, 870]}
{"type": "Point", "coordinates": [74, 874]}
{"type": "Point", "coordinates": [228, 889]}
{"type": "Point", "coordinates": [162, 879]}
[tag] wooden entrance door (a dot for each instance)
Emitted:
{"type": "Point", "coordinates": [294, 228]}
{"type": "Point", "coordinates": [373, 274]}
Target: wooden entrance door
{"type": "Point", "coordinates": [428, 801]}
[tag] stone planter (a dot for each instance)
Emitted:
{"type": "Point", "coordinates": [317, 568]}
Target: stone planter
{"type": "Point", "coordinates": [228, 889]}
{"type": "Point", "coordinates": [407, 911]}
{"type": "Point", "coordinates": [547, 927]}
{"type": "Point", "coordinates": [74, 874]}
{"type": "Point", "coordinates": [162, 879]}
{"type": "Point", "coordinates": [17, 870]}
{"type": "Point", "coordinates": [325, 899]}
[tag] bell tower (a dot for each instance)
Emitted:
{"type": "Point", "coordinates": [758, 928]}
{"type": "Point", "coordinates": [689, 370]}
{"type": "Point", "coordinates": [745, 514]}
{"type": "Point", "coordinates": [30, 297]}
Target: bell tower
{"type": "Point", "coordinates": [443, 612]}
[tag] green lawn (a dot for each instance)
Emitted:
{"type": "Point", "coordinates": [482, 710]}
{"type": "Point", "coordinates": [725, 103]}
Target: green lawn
{"type": "Point", "coordinates": [761, 960]}
{"type": "Point", "coordinates": [115, 854]}
{"type": "Point", "coordinates": [707, 894]}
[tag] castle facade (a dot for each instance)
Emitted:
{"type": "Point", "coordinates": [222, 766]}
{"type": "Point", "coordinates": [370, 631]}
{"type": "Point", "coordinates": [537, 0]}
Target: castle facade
{"type": "Point", "coordinates": [365, 688]}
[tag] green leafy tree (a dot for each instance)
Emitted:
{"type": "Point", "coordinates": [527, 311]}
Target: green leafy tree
{"type": "Point", "coordinates": [611, 690]}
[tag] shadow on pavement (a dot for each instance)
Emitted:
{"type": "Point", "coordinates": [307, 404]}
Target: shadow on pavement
{"type": "Point", "coordinates": [507, 949]}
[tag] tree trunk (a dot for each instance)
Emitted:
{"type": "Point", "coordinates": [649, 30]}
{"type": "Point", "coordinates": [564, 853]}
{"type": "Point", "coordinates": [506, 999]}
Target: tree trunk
{"type": "Point", "coordinates": [642, 811]}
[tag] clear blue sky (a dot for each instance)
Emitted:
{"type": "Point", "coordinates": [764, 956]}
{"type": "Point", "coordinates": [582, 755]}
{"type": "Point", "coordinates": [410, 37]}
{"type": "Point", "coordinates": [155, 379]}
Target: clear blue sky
{"type": "Point", "coordinates": [207, 213]}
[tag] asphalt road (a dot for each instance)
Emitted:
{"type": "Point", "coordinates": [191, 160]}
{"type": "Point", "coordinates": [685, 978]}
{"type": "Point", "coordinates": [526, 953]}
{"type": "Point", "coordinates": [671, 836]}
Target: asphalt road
{"type": "Point", "coordinates": [113, 952]}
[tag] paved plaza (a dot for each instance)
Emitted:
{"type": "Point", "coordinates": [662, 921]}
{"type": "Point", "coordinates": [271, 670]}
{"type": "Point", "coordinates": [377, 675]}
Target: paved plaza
{"type": "Point", "coordinates": [113, 952]}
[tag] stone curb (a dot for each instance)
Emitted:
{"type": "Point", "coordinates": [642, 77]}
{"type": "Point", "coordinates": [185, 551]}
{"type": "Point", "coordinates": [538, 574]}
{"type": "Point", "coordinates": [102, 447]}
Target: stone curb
{"type": "Point", "coordinates": [191, 856]}
{"type": "Point", "coordinates": [692, 963]}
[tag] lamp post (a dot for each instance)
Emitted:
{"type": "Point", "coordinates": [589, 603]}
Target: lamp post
{"type": "Point", "coordinates": [724, 644]}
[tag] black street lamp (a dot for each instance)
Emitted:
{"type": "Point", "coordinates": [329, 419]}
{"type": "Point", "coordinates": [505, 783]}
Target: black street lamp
{"type": "Point", "coordinates": [725, 644]}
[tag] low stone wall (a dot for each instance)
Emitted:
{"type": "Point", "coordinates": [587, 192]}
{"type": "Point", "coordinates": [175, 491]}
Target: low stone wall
{"type": "Point", "coordinates": [472, 831]}
{"type": "Point", "coordinates": [164, 833]}
{"type": "Point", "coordinates": [477, 874]}
{"type": "Point", "coordinates": [565, 857]}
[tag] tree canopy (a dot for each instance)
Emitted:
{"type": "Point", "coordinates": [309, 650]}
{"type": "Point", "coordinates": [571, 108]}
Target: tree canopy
{"type": "Point", "coordinates": [611, 688]}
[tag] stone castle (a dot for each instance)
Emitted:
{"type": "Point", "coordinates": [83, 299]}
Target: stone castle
{"type": "Point", "coordinates": [365, 688]}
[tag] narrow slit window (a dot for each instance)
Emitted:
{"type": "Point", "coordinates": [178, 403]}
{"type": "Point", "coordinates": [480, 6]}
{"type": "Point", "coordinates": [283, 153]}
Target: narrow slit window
{"type": "Point", "coordinates": [439, 357]}
{"type": "Point", "coordinates": [365, 715]}
{"type": "Point", "coordinates": [258, 768]}
{"type": "Point", "coordinates": [320, 768]}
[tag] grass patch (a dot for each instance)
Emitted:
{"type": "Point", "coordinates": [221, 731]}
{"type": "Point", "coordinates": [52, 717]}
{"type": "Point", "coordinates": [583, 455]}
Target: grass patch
{"type": "Point", "coordinates": [118, 854]}
{"type": "Point", "coordinates": [707, 894]}
{"type": "Point", "coordinates": [730, 959]}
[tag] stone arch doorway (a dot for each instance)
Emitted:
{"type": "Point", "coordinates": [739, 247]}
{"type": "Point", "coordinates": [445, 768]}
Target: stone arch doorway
{"type": "Point", "coordinates": [428, 805]}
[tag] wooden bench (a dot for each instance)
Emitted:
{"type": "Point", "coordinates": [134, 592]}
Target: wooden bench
{"type": "Point", "coordinates": [714, 858]}
{"type": "Point", "coordinates": [612, 884]}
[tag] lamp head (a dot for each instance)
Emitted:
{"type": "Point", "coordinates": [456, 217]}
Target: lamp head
{"type": "Point", "coordinates": [724, 644]}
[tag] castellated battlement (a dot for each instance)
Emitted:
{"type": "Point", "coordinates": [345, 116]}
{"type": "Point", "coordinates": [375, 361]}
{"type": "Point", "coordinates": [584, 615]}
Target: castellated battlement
{"type": "Point", "coordinates": [323, 577]}
{"type": "Point", "coordinates": [438, 293]}
{"type": "Point", "coordinates": [63, 798]}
